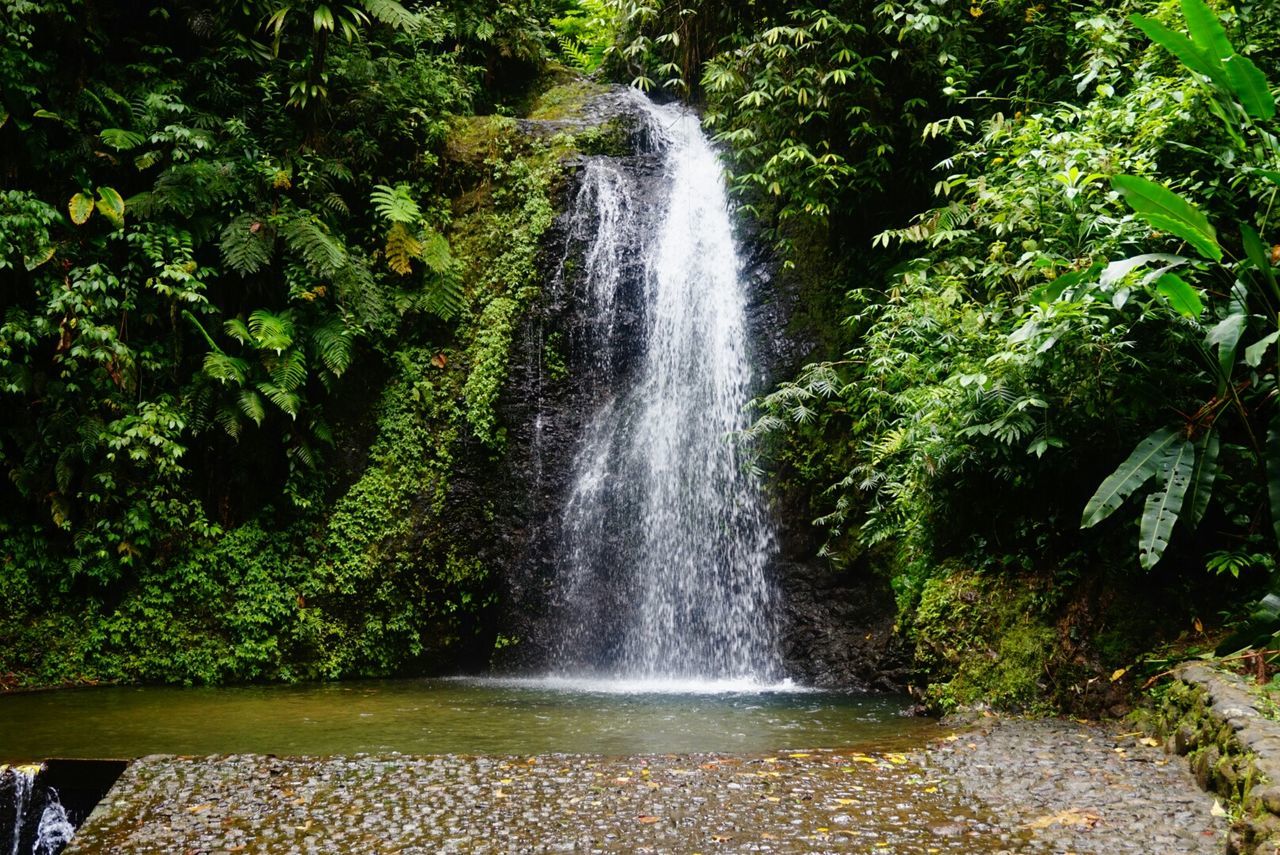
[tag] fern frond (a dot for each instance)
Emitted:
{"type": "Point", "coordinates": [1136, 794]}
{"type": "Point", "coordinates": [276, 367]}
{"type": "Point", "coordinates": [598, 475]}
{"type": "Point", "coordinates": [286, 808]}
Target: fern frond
{"type": "Point", "coordinates": [224, 368]}
{"type": "Point", "coordinates": [361, 295]}
{"type": "Point", "coordinates": [236, 329]}
{"type": "Point", "coordinates": [395, 204]}
{"type": "Point", "coordinates": [272, 331]}
{"type": "Point", "coordinates": [251, 405]}
{"type": "Point", "coordinates": [322, 253]}
{"type": "Point", "coordinates": [402, 247]}
{"type": "Point", "coordinates": [246, 244]}
{"type": "Point", "coordinates": [288, 371]}
{"type": "Point", "coordinates": [335, 203]}
{"type": "Point", "coordinates": [436, 253]}
{"type": "Point", "coordinates": [392, 14]}
{"type": "Point", "coordinates": [446, 296]}
{"type": "Point", "coordinates": [286, 399]}
{"type": "Point", "coordinates": [229, 418]}
{"type": "Point", "coordinates": [334, 343]}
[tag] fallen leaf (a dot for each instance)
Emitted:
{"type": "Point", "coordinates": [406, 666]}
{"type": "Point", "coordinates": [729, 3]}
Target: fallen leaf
{"type": "Point", "coordinates": [1147, 740]}
{"type": "Point", "coordinates": [1217, 809]}
{"type": "Point", "coordinates": [439, 360]}
{"type": "Point", "coordinates": [1118, 673]}
{"type": "Point", "coordinates": [646, 818]}
{"type": "Point", "coordinates": [199, 808]}
{"type": "Point", "coordinates": [799, 756]}
{"type": "Point", "coordinates": [1071, 816]}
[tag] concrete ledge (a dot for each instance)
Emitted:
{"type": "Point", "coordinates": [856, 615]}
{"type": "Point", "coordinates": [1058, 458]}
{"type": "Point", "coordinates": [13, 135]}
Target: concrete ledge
{"type": "Point", "coordinates": [1213, 719]}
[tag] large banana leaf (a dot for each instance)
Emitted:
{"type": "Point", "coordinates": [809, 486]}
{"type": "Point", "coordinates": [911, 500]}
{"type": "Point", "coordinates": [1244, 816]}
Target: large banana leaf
{"type": "Point", "coordinates": [1165, 502]}
{"type": "Point", "coordinates": [1168, 211]}
{"type": "Point", "coordinates": [1136, 470]}
{"type": "Point", "coordinates": [1273, 471]}
{"type": "Point", "coordinates": [1202, 477]}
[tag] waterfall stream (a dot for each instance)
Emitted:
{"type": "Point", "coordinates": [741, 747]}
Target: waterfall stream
{"type": "Point", "coordinates": [665, 538]}
{"type": "Point", "coordinates": [53, 829]}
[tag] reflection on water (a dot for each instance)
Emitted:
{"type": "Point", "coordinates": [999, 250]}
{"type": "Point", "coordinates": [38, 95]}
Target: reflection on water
{"type": "Point", "coordinates": [445, 716]}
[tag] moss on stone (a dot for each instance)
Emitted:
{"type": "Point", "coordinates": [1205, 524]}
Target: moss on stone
{"type": "Point", "coordinates": [565, 99]}
{"type": "Point", "coordinates": [983, 639]}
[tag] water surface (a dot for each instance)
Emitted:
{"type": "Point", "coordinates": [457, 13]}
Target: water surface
{"type": "Point", "coordinates": [447, 716]}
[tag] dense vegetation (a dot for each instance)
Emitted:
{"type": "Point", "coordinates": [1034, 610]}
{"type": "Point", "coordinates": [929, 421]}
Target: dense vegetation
{"type": "Point", "coordinates": [224, 228]}
{"type": "Point", "coordinates": [261, 264]}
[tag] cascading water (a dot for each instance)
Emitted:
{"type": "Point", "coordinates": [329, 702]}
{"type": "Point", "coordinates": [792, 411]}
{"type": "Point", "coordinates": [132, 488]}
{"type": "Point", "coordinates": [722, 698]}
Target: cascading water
{"type": "Point", "coordinates": [54, 829]}
{"type": "Point", "coordinates": [665, 539]}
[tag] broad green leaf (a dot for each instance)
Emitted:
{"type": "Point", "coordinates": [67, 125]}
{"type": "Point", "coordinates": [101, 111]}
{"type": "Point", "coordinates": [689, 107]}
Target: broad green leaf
{"type": "Point", "coordinates": [1051, 291]}
{"type": "Point", "coordinates": [1141, 464]}
{"type": "Point", "coordinates": [1202, 477]}
{"type": "Point", "coordinates": [1253, 353]}
{"type": "Point", "coordinates": [1206, 30]}
{"type": "Point", "coordinates": [1184, 299]}
{"type": "Point", "coordinates": [1225, 336]}
{"type": "Point", "coordinates": [1269, 174]}
{"type": "Point", "coordinates": [322, 19]}
{"type": "Point", "coordinates": [1204, 244]}
{"type": "Point", "coordinates": [1257, 252]}
{"type": "Point", "coordinates": [31, 262]}
{"type": "Point", "coordinates": [1183, 48]}
{"type": "Point", "coordinates": [1118, 270]}
{"type": "Point", "coordinates": [1273, 472]}
{"type": "Point", "coordinates": [1168, 211]}
{"type": "Point", "coordinates": [1165, 502]}
{"type": "Point", "coordinates": [81, 208]}
{"type": "Point", "coordinates": [1249, 85]}
{"type": "Point", "coordinates": [111, 205]}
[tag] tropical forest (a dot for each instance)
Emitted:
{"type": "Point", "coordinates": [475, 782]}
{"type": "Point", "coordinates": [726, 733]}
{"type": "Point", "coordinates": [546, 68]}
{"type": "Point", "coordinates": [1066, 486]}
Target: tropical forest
{"type": "Point", "coordinates": [640, 426]}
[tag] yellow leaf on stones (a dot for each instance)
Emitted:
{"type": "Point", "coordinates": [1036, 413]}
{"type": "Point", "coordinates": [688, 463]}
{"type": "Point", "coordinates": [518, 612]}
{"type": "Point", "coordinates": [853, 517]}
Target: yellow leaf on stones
{"type": "Point", "coordinates": [646, 818]}
{"type": "Point", "coordinates": [1147, 740]}
{"type": "Point", "coordinates": [1071, 816]}
{"type": "Point", "coordinates": [931, 789]}
{"type": "Point", "coordinates": [844, 801]}
{"type": "Point", "coordinates": [199, 808]}
{"type": "Point", "coordinates": [896, 759]}
{"type": "Point", "coordinates": [799, 756]}
{"type": "Point", "coordinates": [1118, 673]}
{"type": "Point", "coordinates": [504, 781]}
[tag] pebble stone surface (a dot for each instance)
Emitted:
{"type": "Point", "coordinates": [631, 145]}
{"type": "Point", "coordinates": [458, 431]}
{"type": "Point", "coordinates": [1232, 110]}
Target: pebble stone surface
{"type": "Point", "coordinates": [1003, 787]}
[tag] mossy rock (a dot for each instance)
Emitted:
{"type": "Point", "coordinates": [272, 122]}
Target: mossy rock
{"type": "Point", "coordinates": [565, 100]}
{"type": "Point", "coordinates": [983, 640]}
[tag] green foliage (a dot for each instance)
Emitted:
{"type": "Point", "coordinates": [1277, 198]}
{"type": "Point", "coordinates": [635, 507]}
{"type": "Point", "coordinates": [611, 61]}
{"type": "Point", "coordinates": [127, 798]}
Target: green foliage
{"type": "Point", "coordinates": [587, 32]}
{"type": "Point", "coordinates": [198, 286]}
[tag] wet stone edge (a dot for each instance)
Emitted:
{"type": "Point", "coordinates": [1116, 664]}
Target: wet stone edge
{"type": "Point", "coordinates": [1213, 719]}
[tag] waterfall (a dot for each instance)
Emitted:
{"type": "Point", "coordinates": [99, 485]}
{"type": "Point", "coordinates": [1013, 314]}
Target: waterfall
{"type": "Point", "coordinates": [665, 539]}
{"type": "Point", "coordinates": [54, 829]}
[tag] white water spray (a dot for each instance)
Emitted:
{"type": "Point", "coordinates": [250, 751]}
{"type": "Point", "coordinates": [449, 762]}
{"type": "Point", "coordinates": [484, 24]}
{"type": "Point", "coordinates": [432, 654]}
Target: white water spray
{"type": "Point", "coordinates": [666, 539]}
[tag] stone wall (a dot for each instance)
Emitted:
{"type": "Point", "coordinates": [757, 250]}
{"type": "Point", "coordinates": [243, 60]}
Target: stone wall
{"type": "Point", "coordinates": [1213, 720]}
